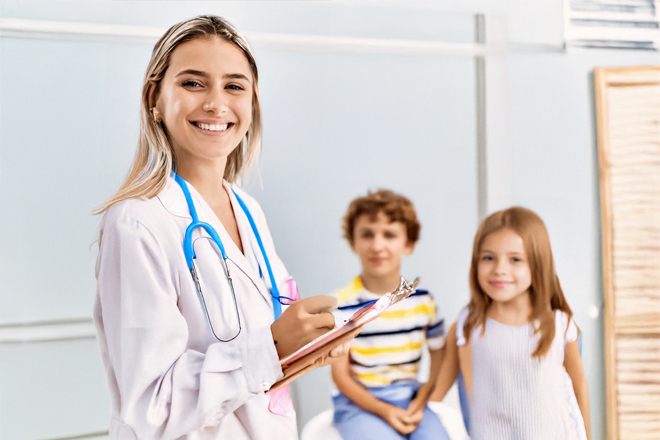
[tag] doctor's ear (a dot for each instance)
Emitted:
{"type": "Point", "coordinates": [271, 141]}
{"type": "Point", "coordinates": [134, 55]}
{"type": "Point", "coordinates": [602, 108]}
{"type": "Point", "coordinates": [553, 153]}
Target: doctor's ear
{"type": "Point", "coordinates": [153, 95]}
{"type": "Point", "coordinates": [156, 115]}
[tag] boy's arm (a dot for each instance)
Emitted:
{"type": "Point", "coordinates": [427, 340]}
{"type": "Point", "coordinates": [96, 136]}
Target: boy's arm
{"type": "Point", "coordinates": [449, 368]}
{"type": "Point", "coordinates": [573, 365]}
{"type": "Point", "coordinates": [349, 387]}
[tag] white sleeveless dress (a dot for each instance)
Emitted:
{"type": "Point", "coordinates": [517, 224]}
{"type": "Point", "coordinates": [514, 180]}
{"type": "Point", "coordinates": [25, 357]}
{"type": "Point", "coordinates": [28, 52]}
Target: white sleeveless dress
{"type": "Point", "coordinates": [516, 396]}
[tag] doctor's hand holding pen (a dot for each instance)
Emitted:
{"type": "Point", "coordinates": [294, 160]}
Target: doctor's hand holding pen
{"type": "Point", "coordinates": [302, 322]}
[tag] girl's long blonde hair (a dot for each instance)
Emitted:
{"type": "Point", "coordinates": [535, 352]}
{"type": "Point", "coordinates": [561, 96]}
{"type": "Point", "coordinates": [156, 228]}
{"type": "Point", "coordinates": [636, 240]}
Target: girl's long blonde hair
{"type": "Point", "coordinates": [154, 158]}
{"type": "Point", "coordinates": [545, 291]}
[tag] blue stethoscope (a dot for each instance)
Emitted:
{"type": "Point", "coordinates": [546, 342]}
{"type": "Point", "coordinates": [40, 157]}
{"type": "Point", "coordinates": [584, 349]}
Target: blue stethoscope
{"type": "Point", "coordinates": [190, 256]}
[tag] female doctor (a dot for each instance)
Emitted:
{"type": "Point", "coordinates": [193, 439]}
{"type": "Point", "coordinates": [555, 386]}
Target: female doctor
{"type": "Point", "coordinates": [187, 313]}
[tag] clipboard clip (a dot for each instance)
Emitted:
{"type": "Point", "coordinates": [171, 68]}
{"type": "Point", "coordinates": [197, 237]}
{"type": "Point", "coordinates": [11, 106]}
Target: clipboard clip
{"type": "Point", "coordinates": [404, 290]}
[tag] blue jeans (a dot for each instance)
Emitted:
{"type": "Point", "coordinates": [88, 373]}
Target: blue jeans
{"type": "Point", "coordinates": [354, 423]}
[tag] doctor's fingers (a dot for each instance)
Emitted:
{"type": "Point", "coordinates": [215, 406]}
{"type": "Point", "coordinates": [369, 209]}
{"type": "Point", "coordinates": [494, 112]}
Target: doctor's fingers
{"type": "Point", "coordinates": [315, 333]}
{"type": "Point", "coordinates": [317, 304]}
{"type": "Point", "coordinates": [340, 350]}
{"type": "Point", "coordinates": [322, 321]}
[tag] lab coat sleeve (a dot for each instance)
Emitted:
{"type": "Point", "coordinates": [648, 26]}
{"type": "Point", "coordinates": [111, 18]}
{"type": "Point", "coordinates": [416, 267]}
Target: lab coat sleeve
{"type": "Point", "coordinates": [165, 389]}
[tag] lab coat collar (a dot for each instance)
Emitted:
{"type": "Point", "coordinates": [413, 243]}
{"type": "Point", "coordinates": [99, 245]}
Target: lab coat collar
{"type": "Point", "coordinates": [174, 201]}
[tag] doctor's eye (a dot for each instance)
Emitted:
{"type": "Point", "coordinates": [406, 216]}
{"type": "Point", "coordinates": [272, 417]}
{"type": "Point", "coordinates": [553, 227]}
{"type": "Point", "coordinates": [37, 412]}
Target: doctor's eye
{"type": "Point", "coordinates": [191, 84]}
{"type": "Point", "coordinates": [235, 87]}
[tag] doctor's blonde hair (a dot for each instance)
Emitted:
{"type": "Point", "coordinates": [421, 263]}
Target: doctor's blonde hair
{"type": "Point", "coordinates": [154, 158]}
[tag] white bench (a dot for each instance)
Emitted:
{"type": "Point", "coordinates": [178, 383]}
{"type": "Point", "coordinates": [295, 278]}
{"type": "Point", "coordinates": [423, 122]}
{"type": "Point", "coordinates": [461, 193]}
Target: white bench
{"type": "Point", "coordinates": [320, 427]}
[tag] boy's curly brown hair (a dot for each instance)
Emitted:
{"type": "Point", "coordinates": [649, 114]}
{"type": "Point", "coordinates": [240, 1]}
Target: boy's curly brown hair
{"type": "Point", "coordinates": [395, 206]}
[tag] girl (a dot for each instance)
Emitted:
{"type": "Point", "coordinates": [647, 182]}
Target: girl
{"type": "Point", "coordinates": [184, 310]}
{"type": "Point", "coordinates": [516, 342]}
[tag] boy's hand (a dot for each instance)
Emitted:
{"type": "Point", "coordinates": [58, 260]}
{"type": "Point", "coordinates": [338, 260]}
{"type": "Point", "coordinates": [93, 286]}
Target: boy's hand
{"type": "Point", "coordinates": [415, 416]}
{"type": "Point", "coordinates": [415, 411]}
{"type": "Point", "coordinates": [398, 418]}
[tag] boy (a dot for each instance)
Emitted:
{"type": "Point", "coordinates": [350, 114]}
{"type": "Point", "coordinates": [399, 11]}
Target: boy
{"type": "Point", "coordinates": [379, 395]}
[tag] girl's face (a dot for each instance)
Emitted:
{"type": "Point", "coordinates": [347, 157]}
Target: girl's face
{"type": "Point", "coordinates": [380, 244]}
{"type": "Point", "coordinates": [502, 269]}
{"type": "Point", "coordinates": [205, 100]}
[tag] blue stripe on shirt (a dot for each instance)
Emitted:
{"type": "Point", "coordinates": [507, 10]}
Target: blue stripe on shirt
{"type": "Point", "coordinates": [436, 329]}
{"type": "Point", "coordinates": [418, 292]}
{"type": "Point", "coordinates": [411, 361]}
{"type": "Point", "coordinates": [393, 332]}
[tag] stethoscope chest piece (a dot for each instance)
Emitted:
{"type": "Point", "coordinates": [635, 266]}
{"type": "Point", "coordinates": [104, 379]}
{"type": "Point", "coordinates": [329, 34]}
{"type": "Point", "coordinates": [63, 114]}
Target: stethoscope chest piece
{"type": "Point", "coordinates": [189, 252]}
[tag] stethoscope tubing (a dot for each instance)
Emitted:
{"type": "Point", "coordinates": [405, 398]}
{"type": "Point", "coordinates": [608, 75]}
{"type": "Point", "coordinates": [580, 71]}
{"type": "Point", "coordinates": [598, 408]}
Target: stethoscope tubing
{"type": "Point", "coordinates": [275, 291]}
{"type": "Point", "coordinates": [190, 256]}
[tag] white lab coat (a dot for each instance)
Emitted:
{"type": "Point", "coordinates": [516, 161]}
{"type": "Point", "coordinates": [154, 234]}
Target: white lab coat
{"type": "Point", "coordinates": [169, 377]}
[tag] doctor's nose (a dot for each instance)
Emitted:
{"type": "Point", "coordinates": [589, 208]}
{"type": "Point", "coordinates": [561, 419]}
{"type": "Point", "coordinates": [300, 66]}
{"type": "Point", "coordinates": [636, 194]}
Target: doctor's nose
{"type": "Point", "coordinates": [215, 102]}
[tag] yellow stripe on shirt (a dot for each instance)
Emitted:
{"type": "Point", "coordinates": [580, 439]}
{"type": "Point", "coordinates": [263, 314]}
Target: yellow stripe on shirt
{"type": "Point", "coordinates": [421, 309]}
{"type": "Point", "coordinates": [366, 351]}
{"type": "Point", "coordinates": [350, 292]}
{"type": "Point", "coordinates": [380, 378]}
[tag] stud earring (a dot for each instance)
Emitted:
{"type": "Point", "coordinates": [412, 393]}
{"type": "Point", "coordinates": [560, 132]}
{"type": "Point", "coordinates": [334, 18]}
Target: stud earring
{"type": "Point", "coordinates": [156, 115]}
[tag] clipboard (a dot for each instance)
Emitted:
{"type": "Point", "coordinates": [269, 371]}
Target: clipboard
{"type": "Point", "coordinates": [314, 353]}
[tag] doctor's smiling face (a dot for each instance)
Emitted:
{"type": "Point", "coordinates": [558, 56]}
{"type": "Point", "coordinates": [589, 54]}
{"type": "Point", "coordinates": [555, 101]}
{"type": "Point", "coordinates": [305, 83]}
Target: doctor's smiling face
{"type": "Point", "coordinates": [205, 101]}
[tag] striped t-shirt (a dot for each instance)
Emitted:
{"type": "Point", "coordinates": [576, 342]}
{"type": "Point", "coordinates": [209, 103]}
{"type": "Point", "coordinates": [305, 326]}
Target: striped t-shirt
{"type": "Point", "coordinates": [389, 348]}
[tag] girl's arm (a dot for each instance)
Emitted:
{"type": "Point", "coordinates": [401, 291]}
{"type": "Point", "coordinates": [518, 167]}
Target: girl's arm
{"type": "Point", "coordinates": [449, 369]}
{"type": "Point", "coordinates": [418, 404]}
{"type": "Point", "coordinates": [349, 387]}
{"type": "Point", "coordinates": [425, 390]}
{"type": "Point", "coordinates": [573, 365]}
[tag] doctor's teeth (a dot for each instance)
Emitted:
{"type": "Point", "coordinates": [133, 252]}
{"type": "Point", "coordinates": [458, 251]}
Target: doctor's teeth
{"type": "Point", "coordinates": [212, 127]}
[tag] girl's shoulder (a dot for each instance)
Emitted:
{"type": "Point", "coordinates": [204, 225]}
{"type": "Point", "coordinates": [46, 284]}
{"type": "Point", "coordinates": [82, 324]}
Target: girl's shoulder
{"type": "Point", "coordinates": [565, 327]}
{"type": "Point", "coordinates": [460, 323]}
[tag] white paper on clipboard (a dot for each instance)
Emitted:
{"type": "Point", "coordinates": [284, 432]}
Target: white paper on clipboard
{"type": "Point", "coordinates": [306, 358]}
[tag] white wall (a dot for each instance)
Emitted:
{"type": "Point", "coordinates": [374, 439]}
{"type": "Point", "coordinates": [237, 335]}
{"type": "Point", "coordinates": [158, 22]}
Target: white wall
{"type": "Point", "coordinates": [336, 124]}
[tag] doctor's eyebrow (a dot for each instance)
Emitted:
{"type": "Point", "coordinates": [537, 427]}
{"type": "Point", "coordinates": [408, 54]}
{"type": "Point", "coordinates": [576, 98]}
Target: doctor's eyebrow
{"type": "Point", "coordinates": [236, 76]}
{"type": "Point", "coordinates": [191, 72]}
{"type": "Point", "coordinates": [205, 75]}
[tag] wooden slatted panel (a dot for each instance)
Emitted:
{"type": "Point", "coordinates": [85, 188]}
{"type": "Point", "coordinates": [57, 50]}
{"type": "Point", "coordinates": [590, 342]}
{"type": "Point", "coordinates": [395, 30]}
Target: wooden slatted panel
{"type": "Point", "coordinates": [628, 107]}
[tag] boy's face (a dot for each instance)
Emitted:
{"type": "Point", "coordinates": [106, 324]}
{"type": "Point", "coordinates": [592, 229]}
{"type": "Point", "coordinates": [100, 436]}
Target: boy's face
{"type": "Point", "coordinates": [380, 244]}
